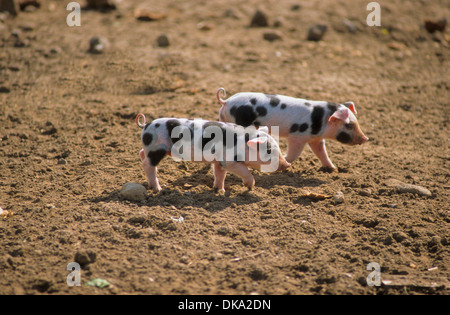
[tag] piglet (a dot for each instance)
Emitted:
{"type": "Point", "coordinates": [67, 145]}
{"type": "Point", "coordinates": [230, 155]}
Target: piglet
{"type": "Point", "coordinates": [227, 146]}
{"type": "Point", "coordinates": [300, 121]}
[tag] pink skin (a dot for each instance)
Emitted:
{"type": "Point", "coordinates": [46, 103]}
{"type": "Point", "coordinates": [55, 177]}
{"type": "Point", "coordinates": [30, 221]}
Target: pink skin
{"type": "Point", "coordinates": [150, 172]}
{"type": "Point", "coordinates": [238, 168]}
{"type": "Point", "coordinates": [341, 126]}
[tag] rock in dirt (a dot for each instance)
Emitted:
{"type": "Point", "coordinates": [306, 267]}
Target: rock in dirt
{"type": "Point", "coordinates": [98, 45]}
{"type": "Point", "coordinates": [85, 257]}
{"type": "Point", "coordinates": [163, 40]}
{"type": "Point", "coordinates": [316, 32]}
{"type": "Point", "coordinates": [272, 36]}
{"type": "Point", "coordinates": [402, 188]}
{"type": "Point", "coordinates": [133, 192]}
{"type": "Point", "coordinates": [338, 197]}
{"type": "Point", "coordinates": [259, 19]}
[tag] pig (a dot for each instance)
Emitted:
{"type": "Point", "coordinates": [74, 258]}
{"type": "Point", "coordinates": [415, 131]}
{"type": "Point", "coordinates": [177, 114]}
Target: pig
{"type": "Point", "coordinates": [227, 146]}
{"type": "Point", "coordinates": [300, 121]}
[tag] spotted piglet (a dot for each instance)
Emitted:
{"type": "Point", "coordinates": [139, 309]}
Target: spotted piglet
{"type": "Point", "coordinates": [300, 121]}
{"type": "Point", "coordinates": [227, 146]}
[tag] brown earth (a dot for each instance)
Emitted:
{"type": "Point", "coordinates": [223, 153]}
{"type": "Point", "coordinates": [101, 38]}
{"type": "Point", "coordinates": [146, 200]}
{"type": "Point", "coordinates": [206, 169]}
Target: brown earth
{"type": "Point", "coordinates": [58, 101]}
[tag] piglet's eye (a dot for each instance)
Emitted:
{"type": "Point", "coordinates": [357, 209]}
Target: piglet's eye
{"type": "Point", "coordinates": [349, 126]}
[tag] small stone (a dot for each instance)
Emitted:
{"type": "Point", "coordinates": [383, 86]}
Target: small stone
{"type": "Point", "coordinates": [98, 45]}
{"type": "Point", "coordinates": [62, 161]}
{"type": "Point", "coordinates": [85, 257]}
{"type": "Point", "coordinates": [338, 197]}
{"type": "Point", "coordinates": [259, 19]}
{"type": "Point", "coordinates": [316, 32]}
{"type": "Point", "coordinates": [365, 192]}
{"type": "Point", "coordinates": [133, 192]}
{"type": "Point", "coordinates": [163, 40]}
{"type": "Point", "coordinates": [272, 36]}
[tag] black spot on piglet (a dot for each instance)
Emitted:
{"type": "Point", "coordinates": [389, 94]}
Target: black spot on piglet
{"type": "Point", "coordinates": [344, 137]}
{"type": "Point", "coordinates": [303, 127]}
{"type": "Point", "coordinates": [262, 111]}
{"type": "Point", "coordinates": [274, 100]}
{"type": "Point", "coordinates": [156, 156]}
{"type": "Point", "coordinates": [170, 125]}
{"type": "Point", "coordinates": [245, 115]}
{"type": "Point", "coordinates": [147, 139]}
{"type": "Point", "coordinates": [316, 119]}
{"type": "Point", "coordinates": [294, 128]}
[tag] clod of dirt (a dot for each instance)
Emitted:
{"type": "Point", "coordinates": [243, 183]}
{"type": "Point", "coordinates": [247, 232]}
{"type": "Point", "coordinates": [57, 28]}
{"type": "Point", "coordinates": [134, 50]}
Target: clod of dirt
{"type": "Point", "coordinates": [403, 188]}
{"type": "Point", "coordinates": [316, 32]}
{"type": "Point", "coordinates": [133, 192]}
{"type": "Point", "coordinates": [259, 19]}
{"type": "Point", "coordinates": [433, 26]}
{"type": "Point", "coordinates": [163, 40]}
{"type": "Point", "coordinates": [98, 45]}
{"type": "Point", "coordinates": [272, 36]}
{"type": "Point", "coordinates": [85, 257]}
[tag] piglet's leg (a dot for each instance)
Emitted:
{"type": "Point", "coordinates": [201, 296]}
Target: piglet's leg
{"type": "Point", "coordinates": [150, 172]}
{"type": "Point", "coordinates": [318, 147]}
{"type": "Point", "coordinates": [219, 177]}
{"type": "Point", "coordinates": [295, 148]}
{"type": "Point", "coordinates": [241, 170]}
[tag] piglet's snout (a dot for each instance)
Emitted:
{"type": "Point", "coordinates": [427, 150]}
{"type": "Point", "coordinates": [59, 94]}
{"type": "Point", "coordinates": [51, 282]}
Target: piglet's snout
{"type": "Point", "coordinates": [361, 139]}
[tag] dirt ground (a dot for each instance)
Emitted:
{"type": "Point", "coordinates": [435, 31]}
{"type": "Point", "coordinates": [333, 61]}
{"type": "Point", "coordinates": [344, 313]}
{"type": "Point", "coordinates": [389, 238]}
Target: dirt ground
{"type": "Point", "coordinates": [69, 142]}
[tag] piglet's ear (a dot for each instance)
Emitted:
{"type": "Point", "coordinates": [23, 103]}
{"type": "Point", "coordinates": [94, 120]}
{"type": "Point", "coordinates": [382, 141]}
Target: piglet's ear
{"type": "Point", "coordinates": [342, 114]}
{"type": "Point", "coordinates": [351, 106]}
{"type": "Point", "coordinates": [253, 143]}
